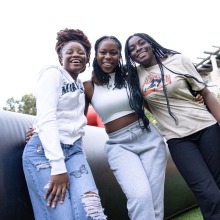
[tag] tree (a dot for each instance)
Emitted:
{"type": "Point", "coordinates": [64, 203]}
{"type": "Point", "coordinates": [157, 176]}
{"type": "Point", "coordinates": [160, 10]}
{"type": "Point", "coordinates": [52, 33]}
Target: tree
{"type": "Point", "coordinates": [150, 117]}
{"type": "Point", "coordinates": [218, 97]}
{"type": "Point", "coordinates": [27, 105]}
{"type": "Point", "coordinates": [11, 105]}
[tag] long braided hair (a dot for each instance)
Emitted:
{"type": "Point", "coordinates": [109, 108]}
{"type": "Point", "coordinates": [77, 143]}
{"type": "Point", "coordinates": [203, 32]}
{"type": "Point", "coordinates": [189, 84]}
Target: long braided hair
{"type": "Point", "coordinates": [137, 100]}
{"type": "Point", "coordinates": [101, 76]}
{"type": "Point", "coordinates": [67, 35]}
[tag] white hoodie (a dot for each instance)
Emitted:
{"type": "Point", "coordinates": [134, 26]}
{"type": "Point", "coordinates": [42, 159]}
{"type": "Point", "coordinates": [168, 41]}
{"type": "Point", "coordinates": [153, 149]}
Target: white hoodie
{"type": "Point", "coordinates": [60, 117]}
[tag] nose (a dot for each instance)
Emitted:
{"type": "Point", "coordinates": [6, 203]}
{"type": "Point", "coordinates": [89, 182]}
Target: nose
{"type": "Point", "coordinates": [138, 48]}
{"type": "Point", "coordinates": [107, 55]}
{"type": "Point", "coordinates": [75, 54]}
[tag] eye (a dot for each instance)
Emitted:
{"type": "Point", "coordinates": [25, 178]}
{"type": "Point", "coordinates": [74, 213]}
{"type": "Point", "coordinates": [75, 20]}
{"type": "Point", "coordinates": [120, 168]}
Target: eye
{"type": "Point", "coordinates": [102, 52]}
{"type": "Point", "coordinates": [131, 49]}
{"type": "Point", "coordinates": [81, 52]}
{"type": "Point", "coordinates": [114, 53]}
{"type": "Point", "coordinates": [142, 42]}
{"type": "Point", "coordinates": [68, 51]}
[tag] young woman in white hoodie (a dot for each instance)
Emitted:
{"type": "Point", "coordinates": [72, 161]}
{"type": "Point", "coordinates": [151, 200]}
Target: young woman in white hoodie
{"type": "Point", "coordinates": [59, 179]}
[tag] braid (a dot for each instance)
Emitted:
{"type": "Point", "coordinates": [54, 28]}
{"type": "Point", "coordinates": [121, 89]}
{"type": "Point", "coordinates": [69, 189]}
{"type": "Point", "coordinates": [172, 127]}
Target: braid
{"type": "Point", "coordinates": [101, 76]}
{"type": "Point", "coordinates": [67, 35]}
{"type": "Point", "coordinates": [136, 99]}
{"type": "Point", "coordinates": [165, 91]}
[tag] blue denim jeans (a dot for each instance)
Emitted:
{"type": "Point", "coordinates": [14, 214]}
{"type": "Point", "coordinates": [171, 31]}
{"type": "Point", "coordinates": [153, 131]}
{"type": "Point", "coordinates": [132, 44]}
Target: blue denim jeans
{"type": "Point", "coordinates": [82, 201]}
{"type": "Point", "coordinates": [138, 160]}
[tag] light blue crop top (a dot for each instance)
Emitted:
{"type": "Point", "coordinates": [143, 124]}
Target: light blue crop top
{"type": "Point", "coordinates": [110, 103]}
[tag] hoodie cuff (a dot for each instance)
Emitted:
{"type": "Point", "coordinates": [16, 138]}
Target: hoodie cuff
{"type": "Point", "coordinates": [58, 167]}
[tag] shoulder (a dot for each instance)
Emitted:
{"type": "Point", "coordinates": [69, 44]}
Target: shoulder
{"type": "Point", "coordinates": [178, 60]}
{"type": "Point", "coordinates": [50, 71]}
{"type": "Point", "coordinates": [89, 89]}
{"type": "Point", "coordinates": [186, 62]}
{"type": "Point", "coordinates": [50, 68]}
{"type": "Point", "coordinates": [88, 84]}
{"type": "Point", "coordinates": [49, 78]}
{"type": "Point", "coordinates": [179, 57]}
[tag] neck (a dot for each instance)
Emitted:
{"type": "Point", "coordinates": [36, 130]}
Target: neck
{"type": "Point", "coordinates": [74, 75]}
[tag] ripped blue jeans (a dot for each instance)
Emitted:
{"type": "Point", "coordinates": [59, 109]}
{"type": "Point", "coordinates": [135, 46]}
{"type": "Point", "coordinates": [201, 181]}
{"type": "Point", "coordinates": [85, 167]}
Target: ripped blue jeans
{"type": "Point", "coordinates": [82, 201]}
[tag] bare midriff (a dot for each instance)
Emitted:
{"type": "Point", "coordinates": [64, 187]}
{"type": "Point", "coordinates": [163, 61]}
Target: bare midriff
{"type": "Point", "coordinates": [119, 123]}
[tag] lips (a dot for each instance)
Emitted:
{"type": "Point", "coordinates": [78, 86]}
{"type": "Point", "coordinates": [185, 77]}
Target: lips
{"type": "Point", "coordinates": [142, 54]}
{"type": "Point", "coordinates": [75, 61]}
{"type": "Point", "coordinates": [107, 64]}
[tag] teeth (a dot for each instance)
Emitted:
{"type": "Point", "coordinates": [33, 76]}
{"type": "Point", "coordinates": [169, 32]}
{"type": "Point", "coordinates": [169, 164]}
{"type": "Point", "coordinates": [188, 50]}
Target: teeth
{"type": "Point", "coordinates": [75, 61]}
{"type": "Point", "coordinates": [107, 64]}
{"type": "Point", "coordinates": [141, 54]}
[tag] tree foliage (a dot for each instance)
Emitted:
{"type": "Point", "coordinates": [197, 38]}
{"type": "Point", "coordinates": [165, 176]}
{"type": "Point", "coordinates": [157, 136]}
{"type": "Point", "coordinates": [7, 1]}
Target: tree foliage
{"type": "Point", "coordinates": [218, 97]}
{"type": "Point", "coordinates": [150, 117]}
{"type": "Point", "coordinates": [11, 104]}
{"type": "Point", "coordinates": [27, 105]}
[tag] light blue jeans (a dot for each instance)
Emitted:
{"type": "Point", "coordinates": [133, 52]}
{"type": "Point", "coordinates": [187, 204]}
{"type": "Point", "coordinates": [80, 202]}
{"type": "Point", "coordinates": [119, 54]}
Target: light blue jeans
{"type": "Point", "coordinates": [82, 201]}
{"type": "Point", "coordinates": [138, 160]}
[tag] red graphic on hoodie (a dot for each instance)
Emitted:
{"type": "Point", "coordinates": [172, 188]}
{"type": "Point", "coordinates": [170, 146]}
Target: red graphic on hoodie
{"type": "Point", "coordinates": [153, 83]}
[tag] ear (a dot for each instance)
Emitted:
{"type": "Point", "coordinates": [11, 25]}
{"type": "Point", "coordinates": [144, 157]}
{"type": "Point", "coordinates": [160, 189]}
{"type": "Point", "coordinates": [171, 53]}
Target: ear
{"type": "Point", "coordinates": [152, 47]}
{"type": "Point", "coordinates": [87, 59]}
{"type": "Point", "coordinates": [61, 61]}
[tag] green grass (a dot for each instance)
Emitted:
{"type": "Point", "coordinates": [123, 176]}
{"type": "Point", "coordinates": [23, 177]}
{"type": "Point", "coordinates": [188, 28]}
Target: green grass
{"type": "Point", "coordinates": [193, 214]}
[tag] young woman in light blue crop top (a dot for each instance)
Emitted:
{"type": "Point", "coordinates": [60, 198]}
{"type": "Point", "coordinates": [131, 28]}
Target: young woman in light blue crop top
{"type": "Point", "coordinates": [135, 150]}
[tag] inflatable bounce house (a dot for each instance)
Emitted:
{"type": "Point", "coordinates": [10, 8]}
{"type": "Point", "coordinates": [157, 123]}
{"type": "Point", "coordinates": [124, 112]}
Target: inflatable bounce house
{"type": "Point", "coordinates": [14, 199]}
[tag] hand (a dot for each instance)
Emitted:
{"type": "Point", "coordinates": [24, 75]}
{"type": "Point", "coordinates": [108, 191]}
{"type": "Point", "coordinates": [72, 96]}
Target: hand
{"type": "Point", "coordinates": [199, 99]}
{"type": "Point", "coordinates": [29, 134]}
{"type": "Point", "coordinates": [57, 189]}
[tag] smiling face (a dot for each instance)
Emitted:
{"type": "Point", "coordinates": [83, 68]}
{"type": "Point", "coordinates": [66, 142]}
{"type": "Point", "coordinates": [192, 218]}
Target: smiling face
{"type": "Point", "coordinates": [141, 51]}
{"type": "Point", "coordinates": [108, 56]}
{"type": "Point", "coordinates": [74, 58]}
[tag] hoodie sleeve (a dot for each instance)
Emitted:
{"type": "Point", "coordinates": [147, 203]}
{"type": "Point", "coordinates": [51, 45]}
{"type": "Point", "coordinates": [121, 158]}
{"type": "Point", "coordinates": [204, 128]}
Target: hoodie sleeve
{"type": "Point", "coordinates": [47, 96]}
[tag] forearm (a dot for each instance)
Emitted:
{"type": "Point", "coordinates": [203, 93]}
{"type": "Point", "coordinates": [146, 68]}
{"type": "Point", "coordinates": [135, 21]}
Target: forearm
{"type": "Point", "coordinates": [86, 106]}
{"type": "Point", "coordinates": [212, 103]}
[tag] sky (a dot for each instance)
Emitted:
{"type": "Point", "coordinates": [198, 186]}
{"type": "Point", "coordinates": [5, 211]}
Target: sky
{"type": "Point", "coordinates": [28, 31]}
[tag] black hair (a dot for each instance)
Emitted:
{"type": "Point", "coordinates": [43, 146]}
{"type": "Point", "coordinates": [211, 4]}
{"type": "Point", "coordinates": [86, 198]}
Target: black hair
{"type": "Point", "coordinates": [67, 35]}
{"type": "Point", "coordinates": [136, 98]}
{"type": "Point", "coordinates": [102, 77]}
